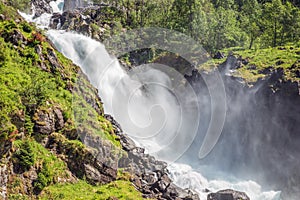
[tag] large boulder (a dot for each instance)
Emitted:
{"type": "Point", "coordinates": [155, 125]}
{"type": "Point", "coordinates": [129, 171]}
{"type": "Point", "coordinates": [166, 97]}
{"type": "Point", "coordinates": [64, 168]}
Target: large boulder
{"type": "Point", "coordinates": [228, 195]}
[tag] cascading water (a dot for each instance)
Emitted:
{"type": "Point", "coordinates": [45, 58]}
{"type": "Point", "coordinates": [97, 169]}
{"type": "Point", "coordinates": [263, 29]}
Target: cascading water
{"type": "Point", "coordinates": [118, 88]}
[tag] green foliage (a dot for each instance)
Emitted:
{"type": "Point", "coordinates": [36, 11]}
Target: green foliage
{"type": "Point", "coordinates": [44, 178]}
{"type": "Point", "coordinates": [32, 155]}
{"type": "Point", "coordinates": [17, 197]}
{"type": "Point", "coordinates": [218, 24]}
{"type": "Point", "coordinates": [24, 157]}
{"type": "Point", "coordinates": [81, 190]}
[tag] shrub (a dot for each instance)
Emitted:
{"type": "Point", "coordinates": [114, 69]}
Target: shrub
{"type": "Point", "coordinates": [44, 178]}
{"type": "Point", "coordinates": [24, 156]}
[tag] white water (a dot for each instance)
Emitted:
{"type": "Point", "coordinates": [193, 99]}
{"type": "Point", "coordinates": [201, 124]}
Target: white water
{"type": "Point", "coordinates": [44, 20]}
{"type": "Point", "coordinates": [115, 86]}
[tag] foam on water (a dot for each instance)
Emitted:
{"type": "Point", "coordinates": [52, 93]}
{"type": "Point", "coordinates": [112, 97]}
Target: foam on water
{"type": "Point", "coordinates": [186, 177]}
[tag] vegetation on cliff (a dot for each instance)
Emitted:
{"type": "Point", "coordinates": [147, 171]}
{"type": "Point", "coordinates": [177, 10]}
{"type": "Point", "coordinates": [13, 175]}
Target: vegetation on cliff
{"type": "Point", "coordinates": [40, 131]}
{"type": "Point", "coordinates": [256, 63]}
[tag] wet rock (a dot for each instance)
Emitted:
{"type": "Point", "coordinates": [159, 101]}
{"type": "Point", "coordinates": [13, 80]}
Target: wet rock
{"type": "Point", "coordinates": [41, 6]}
{"type": "Point", "coordinates": [150, 175]}
{"type": "Point", "coordinates": [228, 195]}
{"type": "Point", "coordinates": [55, 22]}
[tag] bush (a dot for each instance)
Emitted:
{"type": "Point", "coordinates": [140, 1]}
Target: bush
{"type": "Point", "coordinates": [24, 156]}
{"type": "Point", "coordinates": [44, 178]}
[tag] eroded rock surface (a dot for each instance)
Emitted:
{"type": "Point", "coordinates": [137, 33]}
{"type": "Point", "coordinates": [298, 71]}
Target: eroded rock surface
{"type": "Point", "coordinates": [228, 195]}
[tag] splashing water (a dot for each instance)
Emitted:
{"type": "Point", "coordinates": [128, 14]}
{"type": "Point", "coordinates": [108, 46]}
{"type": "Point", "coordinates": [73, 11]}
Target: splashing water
{"type": "Point", "coordinates": [186, 177]}
{"type": "Point", "coordinates": [43, 21]}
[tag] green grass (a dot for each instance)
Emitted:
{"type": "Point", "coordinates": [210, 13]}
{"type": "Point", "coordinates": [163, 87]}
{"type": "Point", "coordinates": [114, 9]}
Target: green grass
{"type": "Point", "coordinates": [278, 57]}
{"type": "Point", "coordinates": [120, 189]}
{"type": "Point", "coordinates": [24, 87]}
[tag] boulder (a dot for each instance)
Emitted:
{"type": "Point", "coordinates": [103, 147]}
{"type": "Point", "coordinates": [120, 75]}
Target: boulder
{"type": "Point", "coordinates": [228, 195]}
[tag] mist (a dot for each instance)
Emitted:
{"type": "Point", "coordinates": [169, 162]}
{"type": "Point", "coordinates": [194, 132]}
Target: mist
{"type": "Point", "coordinates": [260, 138]}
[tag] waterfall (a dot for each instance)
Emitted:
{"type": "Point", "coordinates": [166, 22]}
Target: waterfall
{"type": "Point", "coordinates": [149, 110]}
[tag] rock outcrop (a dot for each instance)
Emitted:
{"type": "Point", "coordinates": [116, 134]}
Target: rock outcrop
{"type": "Point", "coordinates": [228, 195]}
{"type": "Point", "coordinates": [41, 6]}
{"type": "Point", "coordinates": [98, 22]}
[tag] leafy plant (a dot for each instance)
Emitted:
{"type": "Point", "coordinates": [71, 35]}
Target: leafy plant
{"type": "Point", "coordinates": [24, 157]}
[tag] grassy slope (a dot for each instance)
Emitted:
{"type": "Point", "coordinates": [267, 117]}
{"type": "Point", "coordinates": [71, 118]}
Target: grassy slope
{"type": "Point", "coordinates": [120, 189]}
{"type": "Point", "coordinates": [26, 88]}
{"type": "Point", "coordinates": [260, 59]}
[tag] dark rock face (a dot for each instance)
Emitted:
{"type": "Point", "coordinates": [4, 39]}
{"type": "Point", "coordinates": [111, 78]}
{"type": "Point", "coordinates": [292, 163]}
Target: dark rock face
{"type": "Point", "coordinates": [98, 22]}
{"type": "Point", "coordinates": [83, 162]}
{"type": "Point", "coordinates": [15, 37]}
{"type": "Point", "coordinates": [48, 121]}
{"type": "Point", "coordinates": [228, 195]}
{"type": "Point", "coordinates": [41, 6]}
